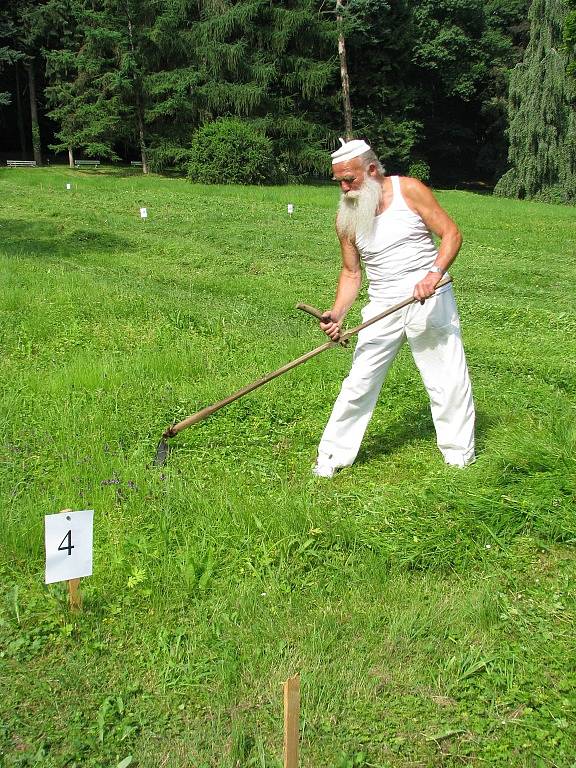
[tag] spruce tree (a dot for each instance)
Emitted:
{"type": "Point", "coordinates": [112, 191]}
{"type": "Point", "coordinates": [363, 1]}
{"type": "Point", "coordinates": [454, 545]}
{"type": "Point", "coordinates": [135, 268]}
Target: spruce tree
{"type": "Point", "coordinates": [29, 34]}
{"type": "Point", "coordinates": [8, 56]}
{"type": "Point", "coordinates": [97, 77]}
{"type": "Point", "coordinates": [542, 130]}
{"type": "Point", "coordinates": [274, 63]}
{"type": "Point", "coordinates": [83, 92]}
{"type": "Point", "coordinates": [570, 36]}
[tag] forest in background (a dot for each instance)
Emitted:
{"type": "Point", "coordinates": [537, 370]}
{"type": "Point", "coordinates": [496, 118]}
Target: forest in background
{"type": "Point", "coordinates": [136, 79]}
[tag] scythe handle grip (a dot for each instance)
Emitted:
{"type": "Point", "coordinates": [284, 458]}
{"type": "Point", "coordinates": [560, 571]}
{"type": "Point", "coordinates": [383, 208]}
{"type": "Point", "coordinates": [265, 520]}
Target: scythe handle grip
{"type": "Point", "coordinates": [311, 310]}
{"type": "Point", "coordinates": [318, 314]}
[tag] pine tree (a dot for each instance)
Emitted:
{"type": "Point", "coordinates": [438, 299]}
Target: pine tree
{"type": "Point", "coordinates": [276, 64]}
{"type": "Point", "coordinates": [8, 56]}
{"type": "Point", "coordinates": [570, 36]}
{"type": "Point", "coordinates": [97, 77]}
{"type": "Point", "coordinates": [173, 109]}
{"type": "Point", "coordinates": [269, 62]}
{"type": "Point", "coordinates": [27, 38]}
{"type": "Point", "coordinates": [542, 129]}
{"type": "Point", "coordinates": [82, 92]}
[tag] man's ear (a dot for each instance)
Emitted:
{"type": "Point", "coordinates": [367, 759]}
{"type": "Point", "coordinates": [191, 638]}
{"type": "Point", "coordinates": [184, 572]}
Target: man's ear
{"type": "Point", "coordinates": [372, 169]}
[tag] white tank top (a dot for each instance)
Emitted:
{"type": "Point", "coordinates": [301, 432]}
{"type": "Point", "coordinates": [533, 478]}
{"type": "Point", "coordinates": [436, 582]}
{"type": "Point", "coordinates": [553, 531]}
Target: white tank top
{"type": "Point", "coordinates": [398, 252]}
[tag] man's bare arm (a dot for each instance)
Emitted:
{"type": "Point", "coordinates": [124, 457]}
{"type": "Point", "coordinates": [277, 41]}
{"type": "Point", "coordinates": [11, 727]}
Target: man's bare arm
{"type": "Point", "coordinates": [421, 199]}
{"type": "Point", "coordinates": [349, 283]}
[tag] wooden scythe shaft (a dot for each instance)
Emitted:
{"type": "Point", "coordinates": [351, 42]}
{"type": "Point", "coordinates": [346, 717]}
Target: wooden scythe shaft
{"type": "Point", "coordinates": [210, 409]}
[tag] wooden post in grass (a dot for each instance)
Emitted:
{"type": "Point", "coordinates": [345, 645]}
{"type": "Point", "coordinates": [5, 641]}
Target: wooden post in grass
{"type": "Point", "coordinates": [74, 595]}
{"type": "Point", "coordinates": [291, 721]}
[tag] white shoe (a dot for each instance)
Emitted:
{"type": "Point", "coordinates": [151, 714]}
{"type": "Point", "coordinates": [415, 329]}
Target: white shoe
{"type": "Point", "coordinates": [462, 462]}
{"type": "Point", "coordinates": [324, 469]}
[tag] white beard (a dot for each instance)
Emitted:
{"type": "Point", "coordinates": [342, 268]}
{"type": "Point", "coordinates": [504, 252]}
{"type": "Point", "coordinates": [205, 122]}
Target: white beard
{"type": "Point", "coordinates": [357, 209]}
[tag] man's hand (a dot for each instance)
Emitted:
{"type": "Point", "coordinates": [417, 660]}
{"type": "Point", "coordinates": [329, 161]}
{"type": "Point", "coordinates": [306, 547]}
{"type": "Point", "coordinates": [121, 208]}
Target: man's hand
{"type": "Point", "coordinates": [425, 288]}
{"type": "Point", "coordinates": [330, 326]}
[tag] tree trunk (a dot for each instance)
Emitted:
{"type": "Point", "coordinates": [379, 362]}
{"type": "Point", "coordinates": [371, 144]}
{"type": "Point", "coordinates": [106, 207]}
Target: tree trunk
{"type": "Point", "coordinates": [137, 93]}
{"type": "Point", "coordinates": [344, 72]}
{"type": "Point", "coordinates": [70, 157]}
{"type": "Point", "coordinates": [141, 137]}
{"type": "Point", "coordinates": [36, 143]}
{"type": "Point", "coordinates": [20, 113]}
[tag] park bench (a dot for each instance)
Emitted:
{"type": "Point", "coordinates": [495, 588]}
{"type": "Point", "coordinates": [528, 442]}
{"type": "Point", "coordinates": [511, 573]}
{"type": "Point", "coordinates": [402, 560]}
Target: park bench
{"type": "Point", "coordinates": [21, 163]}
{"type": "Point", "coordinates": [136, 163]}
{"type": "Point", "coordinates": [86, 163]}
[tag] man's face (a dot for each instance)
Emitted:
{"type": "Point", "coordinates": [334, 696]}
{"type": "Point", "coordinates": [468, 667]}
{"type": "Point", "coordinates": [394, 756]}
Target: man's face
{"type": "Point", "coordinates": [350, 176]}
{"type": "Point", "coordinates": [360, 197]}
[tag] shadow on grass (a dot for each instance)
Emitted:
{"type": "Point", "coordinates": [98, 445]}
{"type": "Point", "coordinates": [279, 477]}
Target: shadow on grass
{"type": "Point", "coordinates": [415, 426]}
{"type": "Point", "coordinates": [101, 170]}
{"type": "Point", "coordinates": [41, 238]}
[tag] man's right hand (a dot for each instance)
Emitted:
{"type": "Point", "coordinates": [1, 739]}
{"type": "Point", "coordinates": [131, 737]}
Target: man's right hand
{"type": "Point", "coordinates": [330, 327]}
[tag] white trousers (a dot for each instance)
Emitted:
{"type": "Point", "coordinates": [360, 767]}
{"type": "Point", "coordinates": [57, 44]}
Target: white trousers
{"type": "Point", "coordinates": [433, 333]}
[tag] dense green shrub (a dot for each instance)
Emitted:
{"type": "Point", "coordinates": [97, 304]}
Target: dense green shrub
{"type": "Point", "coordinates": [419, 169]}
{"type": "Point", "coordinates": [231, 151]}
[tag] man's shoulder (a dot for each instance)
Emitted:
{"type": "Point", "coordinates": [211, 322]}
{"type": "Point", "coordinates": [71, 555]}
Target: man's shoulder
{"type": "Point", "coordinates": [414, 189]}
{"type": "Point", "coordinates": [411, 183]}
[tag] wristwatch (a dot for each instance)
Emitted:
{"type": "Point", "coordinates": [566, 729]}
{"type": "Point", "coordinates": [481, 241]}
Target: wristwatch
{"type": "Point", "coordinates": [437, 269]}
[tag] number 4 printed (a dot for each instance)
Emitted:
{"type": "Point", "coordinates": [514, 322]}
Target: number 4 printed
{"type": "Point", "coordinates": [69, 546]}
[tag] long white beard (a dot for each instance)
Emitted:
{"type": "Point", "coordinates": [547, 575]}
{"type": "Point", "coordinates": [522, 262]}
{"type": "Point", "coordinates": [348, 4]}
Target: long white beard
{"type": "Point", "coordinates": [357, 209]}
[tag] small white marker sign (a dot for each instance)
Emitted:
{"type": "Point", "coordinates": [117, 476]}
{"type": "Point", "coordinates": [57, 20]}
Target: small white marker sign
{"type": "Point", "coordinates": [68, 539]}
{"type": "Point", "coordinates": [143, 213]}
{"type": "Point", "coordinates": [68, 186]}
{"type": "Point", "coordinates": [290, 209]}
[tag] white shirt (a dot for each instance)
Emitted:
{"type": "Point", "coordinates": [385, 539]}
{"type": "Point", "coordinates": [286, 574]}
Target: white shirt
{"type": "Point", "coordinates": [399, 251]}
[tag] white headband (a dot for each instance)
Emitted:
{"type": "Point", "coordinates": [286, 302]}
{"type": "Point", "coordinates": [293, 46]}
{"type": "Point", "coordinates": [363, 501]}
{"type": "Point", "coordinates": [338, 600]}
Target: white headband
{"type": "Point", "coordinates": [349, 150]}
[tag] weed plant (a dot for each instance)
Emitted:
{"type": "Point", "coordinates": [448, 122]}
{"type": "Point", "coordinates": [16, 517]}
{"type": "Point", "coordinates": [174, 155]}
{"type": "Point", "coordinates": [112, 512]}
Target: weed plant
{"type": "Point", "coordinates": [429, 610]}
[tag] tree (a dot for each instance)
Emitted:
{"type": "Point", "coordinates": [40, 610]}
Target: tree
{"type": "Point", "coordinates": [173, 108]}
{"type": "Point", "coordinates": [150, 73]}
{"type": "Point", "coordinates": [8, 56]}
{"type": "Point", "coordinates": [97, 77]}
{"type": "Point", "coordinates": [570, 36]}
{"type": "Point", "coordinates": [273, 63]}
{"type": "Point", "coordinates": [82, 90]}
{"type": "Point", "coordinates": [428, 78]}
{"type": "Point", "coordinates": [379, 39]}
{"type": "Point", "coordinates": [26, 39]}
{"type": "Point", "coordinates": [344, 77]}
{"type": "Point", "coordinates": [542, 117]}
{"type": "Point", "coordinates": [503, 43]}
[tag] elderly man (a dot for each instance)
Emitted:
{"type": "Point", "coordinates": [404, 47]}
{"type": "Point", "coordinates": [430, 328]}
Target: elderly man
{"type": "Point", "coordinates": [384, 224]}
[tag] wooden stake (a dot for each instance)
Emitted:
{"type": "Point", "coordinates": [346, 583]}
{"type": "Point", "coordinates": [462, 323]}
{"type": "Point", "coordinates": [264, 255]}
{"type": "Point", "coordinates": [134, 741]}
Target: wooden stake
{"type": "Point", "coordinates": [291, 721]}
{"type": "Point", "coordinates": [74, 596]}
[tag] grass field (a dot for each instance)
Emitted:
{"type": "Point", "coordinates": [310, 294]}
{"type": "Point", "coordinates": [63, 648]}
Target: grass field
{"type": "Point", "coordinates": [429, 611]}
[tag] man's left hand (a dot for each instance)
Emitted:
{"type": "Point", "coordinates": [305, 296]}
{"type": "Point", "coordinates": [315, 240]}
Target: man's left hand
{"type": "Point", "coordinates": [426, 287]}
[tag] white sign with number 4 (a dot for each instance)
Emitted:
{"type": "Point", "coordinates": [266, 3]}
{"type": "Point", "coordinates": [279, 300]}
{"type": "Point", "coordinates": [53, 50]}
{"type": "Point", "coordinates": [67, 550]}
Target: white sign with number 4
{"type": "Point", "coordinates": [68, 538]}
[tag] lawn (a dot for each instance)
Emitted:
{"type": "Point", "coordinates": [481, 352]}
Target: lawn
{"type": "Point", "coordinates": [430, 611]}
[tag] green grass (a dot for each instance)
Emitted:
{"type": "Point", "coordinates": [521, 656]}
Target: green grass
{"type": "Point", "coordinates": [429, 611]}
